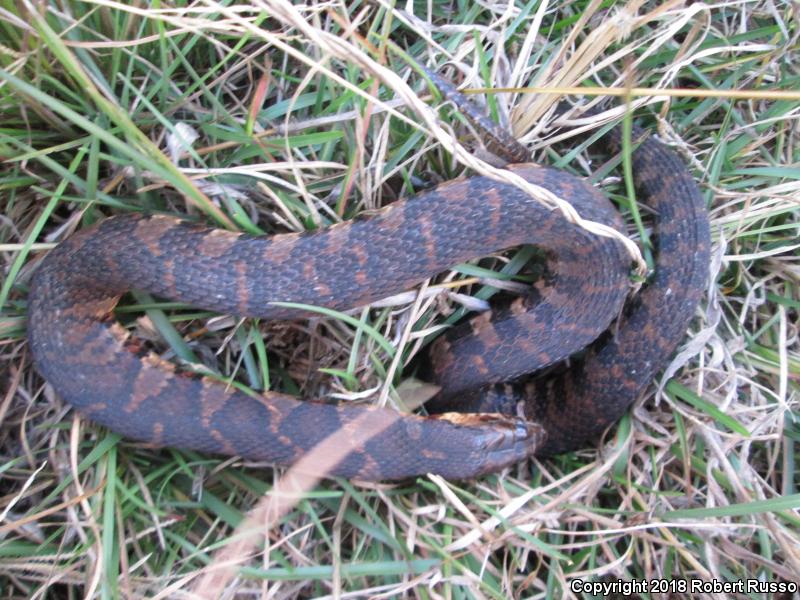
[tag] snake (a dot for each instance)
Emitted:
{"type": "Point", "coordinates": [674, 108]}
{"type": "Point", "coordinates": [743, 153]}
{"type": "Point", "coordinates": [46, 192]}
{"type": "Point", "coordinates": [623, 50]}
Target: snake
{"type": "Point", "coordinates": [97, 366]}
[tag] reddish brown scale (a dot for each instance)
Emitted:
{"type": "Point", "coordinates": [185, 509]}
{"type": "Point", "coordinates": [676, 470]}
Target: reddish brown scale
{"type": "Point", "coordinates": [89, 360]}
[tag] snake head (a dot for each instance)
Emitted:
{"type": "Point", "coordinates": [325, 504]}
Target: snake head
{"type": "Point", "coordinates": [492, 441]}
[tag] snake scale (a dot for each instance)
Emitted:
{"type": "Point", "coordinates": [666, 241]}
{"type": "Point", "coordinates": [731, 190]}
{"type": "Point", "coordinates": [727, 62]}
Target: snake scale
{"type": "Point", "coordinates": [93, 363]}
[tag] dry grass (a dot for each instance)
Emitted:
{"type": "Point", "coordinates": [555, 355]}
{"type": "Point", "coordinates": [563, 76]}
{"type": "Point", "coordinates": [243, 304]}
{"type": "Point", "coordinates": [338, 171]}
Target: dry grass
{"type": "Point", "coordinates": [305, 116]}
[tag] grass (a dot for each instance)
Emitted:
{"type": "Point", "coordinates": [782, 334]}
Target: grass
{"type": "Point", "coordinates": [306, 116]}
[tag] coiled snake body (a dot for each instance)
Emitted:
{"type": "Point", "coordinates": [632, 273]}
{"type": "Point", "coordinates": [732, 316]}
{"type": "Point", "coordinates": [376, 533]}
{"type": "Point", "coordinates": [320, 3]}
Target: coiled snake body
{"type": "Point", "coordinates": [92, 364]}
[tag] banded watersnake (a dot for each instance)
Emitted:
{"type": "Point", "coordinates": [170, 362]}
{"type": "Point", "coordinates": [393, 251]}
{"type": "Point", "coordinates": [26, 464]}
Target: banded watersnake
{"type": "Point", "coordinates": [93, 364]}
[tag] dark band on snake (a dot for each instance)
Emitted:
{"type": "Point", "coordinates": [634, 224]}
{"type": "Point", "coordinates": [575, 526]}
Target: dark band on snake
{"type": "Point", "coordinates": [93, 364]}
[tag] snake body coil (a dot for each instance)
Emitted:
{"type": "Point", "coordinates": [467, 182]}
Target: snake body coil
{"type": "Point", "coordinates": [91, 362]}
